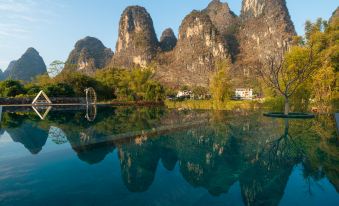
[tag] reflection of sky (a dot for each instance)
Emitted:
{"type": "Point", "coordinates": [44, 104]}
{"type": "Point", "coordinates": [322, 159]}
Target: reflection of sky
{"type": "Point", "coordinates": [13, 150]}
{"type": "Point", "coordinates": [297, 191]}
{"type": "Point", "coordinates": [59, 174]}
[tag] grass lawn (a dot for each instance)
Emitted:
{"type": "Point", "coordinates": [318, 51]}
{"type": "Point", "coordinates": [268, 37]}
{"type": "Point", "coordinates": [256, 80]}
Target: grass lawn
{"type": "Point", "coordinates": [213, 105]}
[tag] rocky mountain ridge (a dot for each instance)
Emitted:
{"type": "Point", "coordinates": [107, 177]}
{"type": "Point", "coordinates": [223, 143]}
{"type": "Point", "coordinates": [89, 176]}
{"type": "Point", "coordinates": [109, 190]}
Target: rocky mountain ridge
{"type": "Point", "coordinates": [27, 67]}
{"type": "Point", "coordinates": [206, 37]}
{"type": "Point", "coordinates": [200, 46]}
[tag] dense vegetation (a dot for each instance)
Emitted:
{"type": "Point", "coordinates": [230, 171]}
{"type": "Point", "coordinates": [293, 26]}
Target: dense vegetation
{"type": "Point", "coordinates": [109, 83]}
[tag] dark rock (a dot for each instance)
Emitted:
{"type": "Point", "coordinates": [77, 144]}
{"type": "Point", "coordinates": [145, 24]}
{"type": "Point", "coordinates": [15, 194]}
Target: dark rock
{"type": "Point", "coordinates": [88, 55]}
{"type": "Point", "coordinates": [27, 67]}
{"type": "Point", "coordinates": [137, 42]}
{"type": "Point", "coordinates": [168, 40]}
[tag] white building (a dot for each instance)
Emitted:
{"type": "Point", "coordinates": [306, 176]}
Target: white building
{"type": "Point", "coordinates": [244, 93]}
{"type": "Point", "coordinates": [184, 94]}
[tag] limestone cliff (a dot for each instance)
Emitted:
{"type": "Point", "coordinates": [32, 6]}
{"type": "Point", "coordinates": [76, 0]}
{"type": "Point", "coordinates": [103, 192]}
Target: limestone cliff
{"type": "Point", "coordinates": [88, 55]}
{"type": "Point", "coordinates": [205, 38]}
{"type": "Point", "coordinates": [137, 42]}
{"type": "Point", "coordinates": [226, 22]}
{"type": "Point", "coordinates": [200, 46]}
{"type": "Point", "coordinates": [266, 28]}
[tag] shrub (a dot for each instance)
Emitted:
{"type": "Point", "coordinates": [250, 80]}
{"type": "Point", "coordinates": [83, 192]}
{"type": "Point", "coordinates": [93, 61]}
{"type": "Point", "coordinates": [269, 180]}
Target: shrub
{"type": "Point", "coordinates": [155, 92]}
{"type": "Point", "coordinates": [79, 82]}
{"type": "Point", "coordinates": [32, 90]}
{"type": "Point", "coordinates": [11, 88]}
{"type": "Point", "coordinates": [59, 90]}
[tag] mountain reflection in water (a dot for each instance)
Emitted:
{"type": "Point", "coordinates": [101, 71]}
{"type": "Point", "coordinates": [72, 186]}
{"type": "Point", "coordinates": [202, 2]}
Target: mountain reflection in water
{"type": "Point", "coordinates": [213, 150]}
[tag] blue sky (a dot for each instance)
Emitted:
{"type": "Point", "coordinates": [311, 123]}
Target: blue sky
{"type": "Point", "coordinates": [53, 26]}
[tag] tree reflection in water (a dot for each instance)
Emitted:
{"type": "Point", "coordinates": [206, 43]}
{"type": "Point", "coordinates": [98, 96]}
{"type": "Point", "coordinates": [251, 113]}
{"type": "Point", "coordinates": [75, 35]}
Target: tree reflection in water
{"type": "Point", "coordinates": [212, 150]}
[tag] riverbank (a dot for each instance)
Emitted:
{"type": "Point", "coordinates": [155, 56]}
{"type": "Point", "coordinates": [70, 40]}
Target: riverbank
{"type": "Point", "coordinates": [212, 105]}
{"type": "Point", "coordinates": [69, 101]}
{"type": "Point", "coordinates": [27, 101]}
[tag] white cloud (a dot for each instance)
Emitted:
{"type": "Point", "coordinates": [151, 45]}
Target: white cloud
{"type": "Point", "coordinates": [11, 6]}
{"type": "Point", "coordinates": [19, 16]}
{"type": "Point", "coordinates": [20, 19]}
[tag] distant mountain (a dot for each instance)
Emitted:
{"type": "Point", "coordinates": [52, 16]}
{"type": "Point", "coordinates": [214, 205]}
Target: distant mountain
{"type": "Point", "coordinates": [168, 40]}
{"type": "Point", "coordinates": [88, 55]}
{"type": "Point", "coordinates": [1, 75]}
{"type": "Point", "coordinates": [27, 67]}
{"type": "Point", "coordinates": [9, 69]}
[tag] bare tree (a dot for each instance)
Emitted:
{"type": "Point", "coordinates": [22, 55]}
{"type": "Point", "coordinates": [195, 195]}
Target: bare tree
{"type": "Point", "coordinates": [55, 68]}
{"type": "Point", "coordinates": [287, 76]}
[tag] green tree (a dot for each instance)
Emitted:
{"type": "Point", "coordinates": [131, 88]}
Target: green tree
{"type": "Point", "coordinates": [200, 92]}
{"type": "Point", "coordinates": [220, 86]}
{"type": "Point", "coordinates": [59, 90]}
{"type": "Point", "coordinates": [325, 81]}
{"type": "Point", "coordinates": [286, 73]}
{"type": "Point", "coordinates": [11, 88]}
{"type": "Point", "coordinates": [32, 89]}
{"type": "Point", "coordinates": [79, 82]}
{"type": "Point", "coordinates": [155, 92]}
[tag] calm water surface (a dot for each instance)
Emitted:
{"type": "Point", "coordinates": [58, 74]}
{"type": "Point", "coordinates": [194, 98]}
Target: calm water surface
{"type": "Point", "coordinates": [155, 156]}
